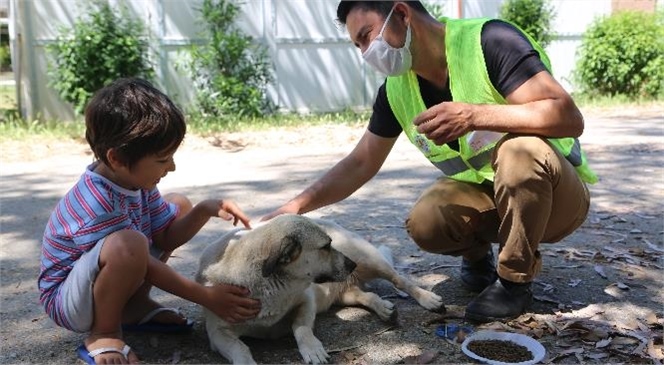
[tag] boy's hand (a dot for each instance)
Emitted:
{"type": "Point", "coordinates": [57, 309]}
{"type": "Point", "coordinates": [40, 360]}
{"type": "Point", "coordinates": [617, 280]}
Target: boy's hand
{"type": "Point", "coordinates": [228, 210]}
{"type": "Point", "coordinates": [232, 303]}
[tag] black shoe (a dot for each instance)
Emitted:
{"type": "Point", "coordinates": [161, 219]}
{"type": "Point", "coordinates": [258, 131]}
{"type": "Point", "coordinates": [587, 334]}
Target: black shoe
{"type": "Point", "coordinates": [501, 301]}
{"type": "Point", "coordinates": [476, 276]}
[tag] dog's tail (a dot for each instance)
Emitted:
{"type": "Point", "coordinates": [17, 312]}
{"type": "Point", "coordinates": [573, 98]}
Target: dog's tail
{"type": "Point", "coordinates": [387, 254]}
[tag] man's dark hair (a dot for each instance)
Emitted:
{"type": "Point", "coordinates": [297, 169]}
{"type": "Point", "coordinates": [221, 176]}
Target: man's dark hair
{"type": "Point", "coordinates": [381, 7]}
{"type": "Point", "coordinates": [134, 118]}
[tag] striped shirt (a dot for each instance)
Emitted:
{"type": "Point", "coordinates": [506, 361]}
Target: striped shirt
{"type": "Point", "coordinates": [94, 208]}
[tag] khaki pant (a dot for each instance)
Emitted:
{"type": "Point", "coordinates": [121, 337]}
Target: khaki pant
{"type": "Point", "coordinates": [536, 197]}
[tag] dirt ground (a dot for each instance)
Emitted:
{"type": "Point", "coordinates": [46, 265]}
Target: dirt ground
{"type": "Point", "coordinates": [599, 298]}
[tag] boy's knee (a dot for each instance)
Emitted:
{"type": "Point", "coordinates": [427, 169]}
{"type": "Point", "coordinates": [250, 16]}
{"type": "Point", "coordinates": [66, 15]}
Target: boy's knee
{"type": "Point", "coordinates": [183, 203]}
{"type": "Point", "coordinates": [126, 246]}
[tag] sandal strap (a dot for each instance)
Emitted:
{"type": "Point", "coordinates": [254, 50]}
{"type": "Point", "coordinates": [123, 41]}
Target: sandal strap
{"type": "Point", "coordinates": [103, 350]}
{"type": "Point", "coordinates": [148, 317]}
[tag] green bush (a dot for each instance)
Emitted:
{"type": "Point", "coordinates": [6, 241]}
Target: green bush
{"type": "Point", "coordinates": [623, 54]}
{"type": "Point", "coordinates": [98, 49]}
{"type": "Point", "coordinates": [535, 17]}
{"type": "Point", "coordinates": [434, 8]}
{"type": "Point", "coordinates": [230, 71]}
{"type": "Point", "coordinates": [5, 58]}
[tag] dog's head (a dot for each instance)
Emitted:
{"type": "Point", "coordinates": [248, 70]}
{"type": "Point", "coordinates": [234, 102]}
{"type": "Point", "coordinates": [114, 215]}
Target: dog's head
{"type": "Point", "coordinates": [296, 247]}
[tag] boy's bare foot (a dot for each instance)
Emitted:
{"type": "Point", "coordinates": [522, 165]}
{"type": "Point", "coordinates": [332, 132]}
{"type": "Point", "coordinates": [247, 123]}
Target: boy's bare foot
{"type": "Point", "coordinates": [109, 341]}
{"type": "Point", "coordinates": [137, 308]}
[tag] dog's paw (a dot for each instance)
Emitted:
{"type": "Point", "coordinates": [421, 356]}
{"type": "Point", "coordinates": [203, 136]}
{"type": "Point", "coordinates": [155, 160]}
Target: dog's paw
{"type": "Point", "coordinates": [312, 351]}
{"type": "Point", "coordinates": [385, 310]}
{"type": "Point", "coordinates": [430, 301]}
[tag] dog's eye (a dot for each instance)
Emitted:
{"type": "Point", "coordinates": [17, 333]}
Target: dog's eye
{"type": "Point", "coordinates": [327, 247]}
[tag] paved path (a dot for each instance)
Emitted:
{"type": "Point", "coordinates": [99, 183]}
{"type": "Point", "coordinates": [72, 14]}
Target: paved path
{"type": "Point", "coordinates": [626, 148]}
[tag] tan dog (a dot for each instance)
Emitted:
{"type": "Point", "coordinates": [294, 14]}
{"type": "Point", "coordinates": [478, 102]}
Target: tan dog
{"type": "Point", "coordinates": [297, 267]}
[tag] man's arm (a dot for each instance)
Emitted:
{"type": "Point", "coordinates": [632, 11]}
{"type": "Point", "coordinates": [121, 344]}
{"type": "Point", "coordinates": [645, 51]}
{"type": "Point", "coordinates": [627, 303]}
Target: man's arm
{"type": "Point", "coordinates": [344, 178]}
{"type": "Point", "coordinates": [539, 107]}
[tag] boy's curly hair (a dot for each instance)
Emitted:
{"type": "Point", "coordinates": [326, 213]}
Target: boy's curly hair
{"type": "Point", "coordinates": [134, 118]}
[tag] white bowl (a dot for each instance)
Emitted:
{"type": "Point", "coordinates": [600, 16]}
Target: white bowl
{"type": "Point", "coordinates": [530, 343]}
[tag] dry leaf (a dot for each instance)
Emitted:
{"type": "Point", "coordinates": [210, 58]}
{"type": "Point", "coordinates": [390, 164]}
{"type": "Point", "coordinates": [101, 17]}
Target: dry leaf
{"type": "Point", "coordinates": [574, 282]}
{"type": "Point", "coordinates": [620, 341]}
{"type": "Point", "coordinates": [613, 291]}
{"type": "Point", "coordinates": [597, 356]}
{"type": "Point", "coordinates": [651, 319]}
{"type": "Point", "coordinates": [176, 357]}
{"type": "Point", "coordinates": [596, 334]}
{"type": "Point", "coordinates": [349, 356]}
{"type": "Point", "coordinates": [537, 333]}
{"type": "Point", "coordinates": [546, 299]}
{"type": "Point", "coordinates": [600, 270]}
{"type": "Point", "coordinates": [461, 336]}
{"type": "Point", "coordinates": [654, 352]}
{"type": "Point", "coordinates": [643, 327]}
{"type": "Point", "coordinates": [603, 343]}
{"type": "Point", "coordinates": [653, 246]}
{"type": "Point", "coordinates": [576, 350]}
{"type": "Point", "coordinates": [424, 358]}
{"type": "Point", "coordinates": [622, 286]}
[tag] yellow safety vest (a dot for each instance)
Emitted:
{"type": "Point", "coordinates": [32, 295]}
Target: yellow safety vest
{"type": "Point", "coordinates": [469, 83]}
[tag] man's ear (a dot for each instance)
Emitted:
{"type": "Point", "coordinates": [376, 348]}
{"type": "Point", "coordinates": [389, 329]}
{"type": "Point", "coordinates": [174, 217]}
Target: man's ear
{"type": "Point", "coordinates": [402, 10]}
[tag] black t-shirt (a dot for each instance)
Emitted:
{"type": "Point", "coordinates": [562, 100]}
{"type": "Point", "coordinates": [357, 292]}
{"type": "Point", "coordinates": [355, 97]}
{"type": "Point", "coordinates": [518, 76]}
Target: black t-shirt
{"type": "Point", "coordinates": [510, 60]}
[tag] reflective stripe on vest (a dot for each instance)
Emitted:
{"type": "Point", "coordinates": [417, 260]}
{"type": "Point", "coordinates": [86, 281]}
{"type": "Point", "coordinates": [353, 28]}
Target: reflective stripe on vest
{"type": "Point", "coordinates": [574, 156]}
{"type": "Point", "coordinates": [457, 165]}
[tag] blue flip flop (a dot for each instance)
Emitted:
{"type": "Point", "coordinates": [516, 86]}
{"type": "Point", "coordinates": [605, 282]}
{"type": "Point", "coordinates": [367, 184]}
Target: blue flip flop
{"type": "Point", "coordinates": [148, 325]}
{"type": "Point", "coordinates": [89, 356]}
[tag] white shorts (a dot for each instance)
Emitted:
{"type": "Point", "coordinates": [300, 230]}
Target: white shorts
{"type": "Point", "coordinates": [77, 290]}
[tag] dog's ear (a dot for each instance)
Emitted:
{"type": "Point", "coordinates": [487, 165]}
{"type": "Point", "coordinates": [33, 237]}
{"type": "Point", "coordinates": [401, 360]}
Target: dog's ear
{"type": "Point", "coordinates": [288, 250]}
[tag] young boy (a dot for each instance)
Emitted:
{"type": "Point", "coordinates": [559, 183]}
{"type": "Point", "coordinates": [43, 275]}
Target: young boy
{"type": "Point", "coordinates": [108, 239]}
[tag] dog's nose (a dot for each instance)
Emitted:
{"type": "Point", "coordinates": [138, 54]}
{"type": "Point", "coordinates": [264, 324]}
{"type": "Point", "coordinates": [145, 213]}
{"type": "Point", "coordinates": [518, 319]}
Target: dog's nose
{"type": "Point", "coordinates": [349, 264]}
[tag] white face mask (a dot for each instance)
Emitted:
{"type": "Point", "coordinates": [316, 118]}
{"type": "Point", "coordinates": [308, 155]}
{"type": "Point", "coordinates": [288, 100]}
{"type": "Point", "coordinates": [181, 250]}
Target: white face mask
{"type": "Point", "coordinates": [387, 59]}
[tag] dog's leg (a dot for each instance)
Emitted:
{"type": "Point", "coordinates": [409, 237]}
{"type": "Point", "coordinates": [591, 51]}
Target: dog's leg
{"type": "Point", "coordinates": [384, 269]}
{"type": "Point", "coordinates": [310, 347]}
{"type": "Point", "coordinates": [425, 298]}
{"type": "Point", "coordinates": [228, 344]}
{"type": "Point", "coordinates": [383, 308]}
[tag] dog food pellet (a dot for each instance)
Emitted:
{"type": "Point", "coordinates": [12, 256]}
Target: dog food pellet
{"type": "Point", "coordinates": [499, 350]}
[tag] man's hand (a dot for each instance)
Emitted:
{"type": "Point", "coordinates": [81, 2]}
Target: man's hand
{"type": "Point", "coordinates": [231, 303]}
{"type": "Point", "coordinates": [288, 208]}
{"type": "Point", "coordinates": [445, 122]}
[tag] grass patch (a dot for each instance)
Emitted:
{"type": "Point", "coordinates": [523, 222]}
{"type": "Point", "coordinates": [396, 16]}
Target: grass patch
{"type": "Point", "coordinates": [209, 126]}
{"type": "Point", "coordinates": [14, 128]}
{"type": "Point", "coordinates": [7, 97]}
{"type": "Point", "coordinates": [614, 102]}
